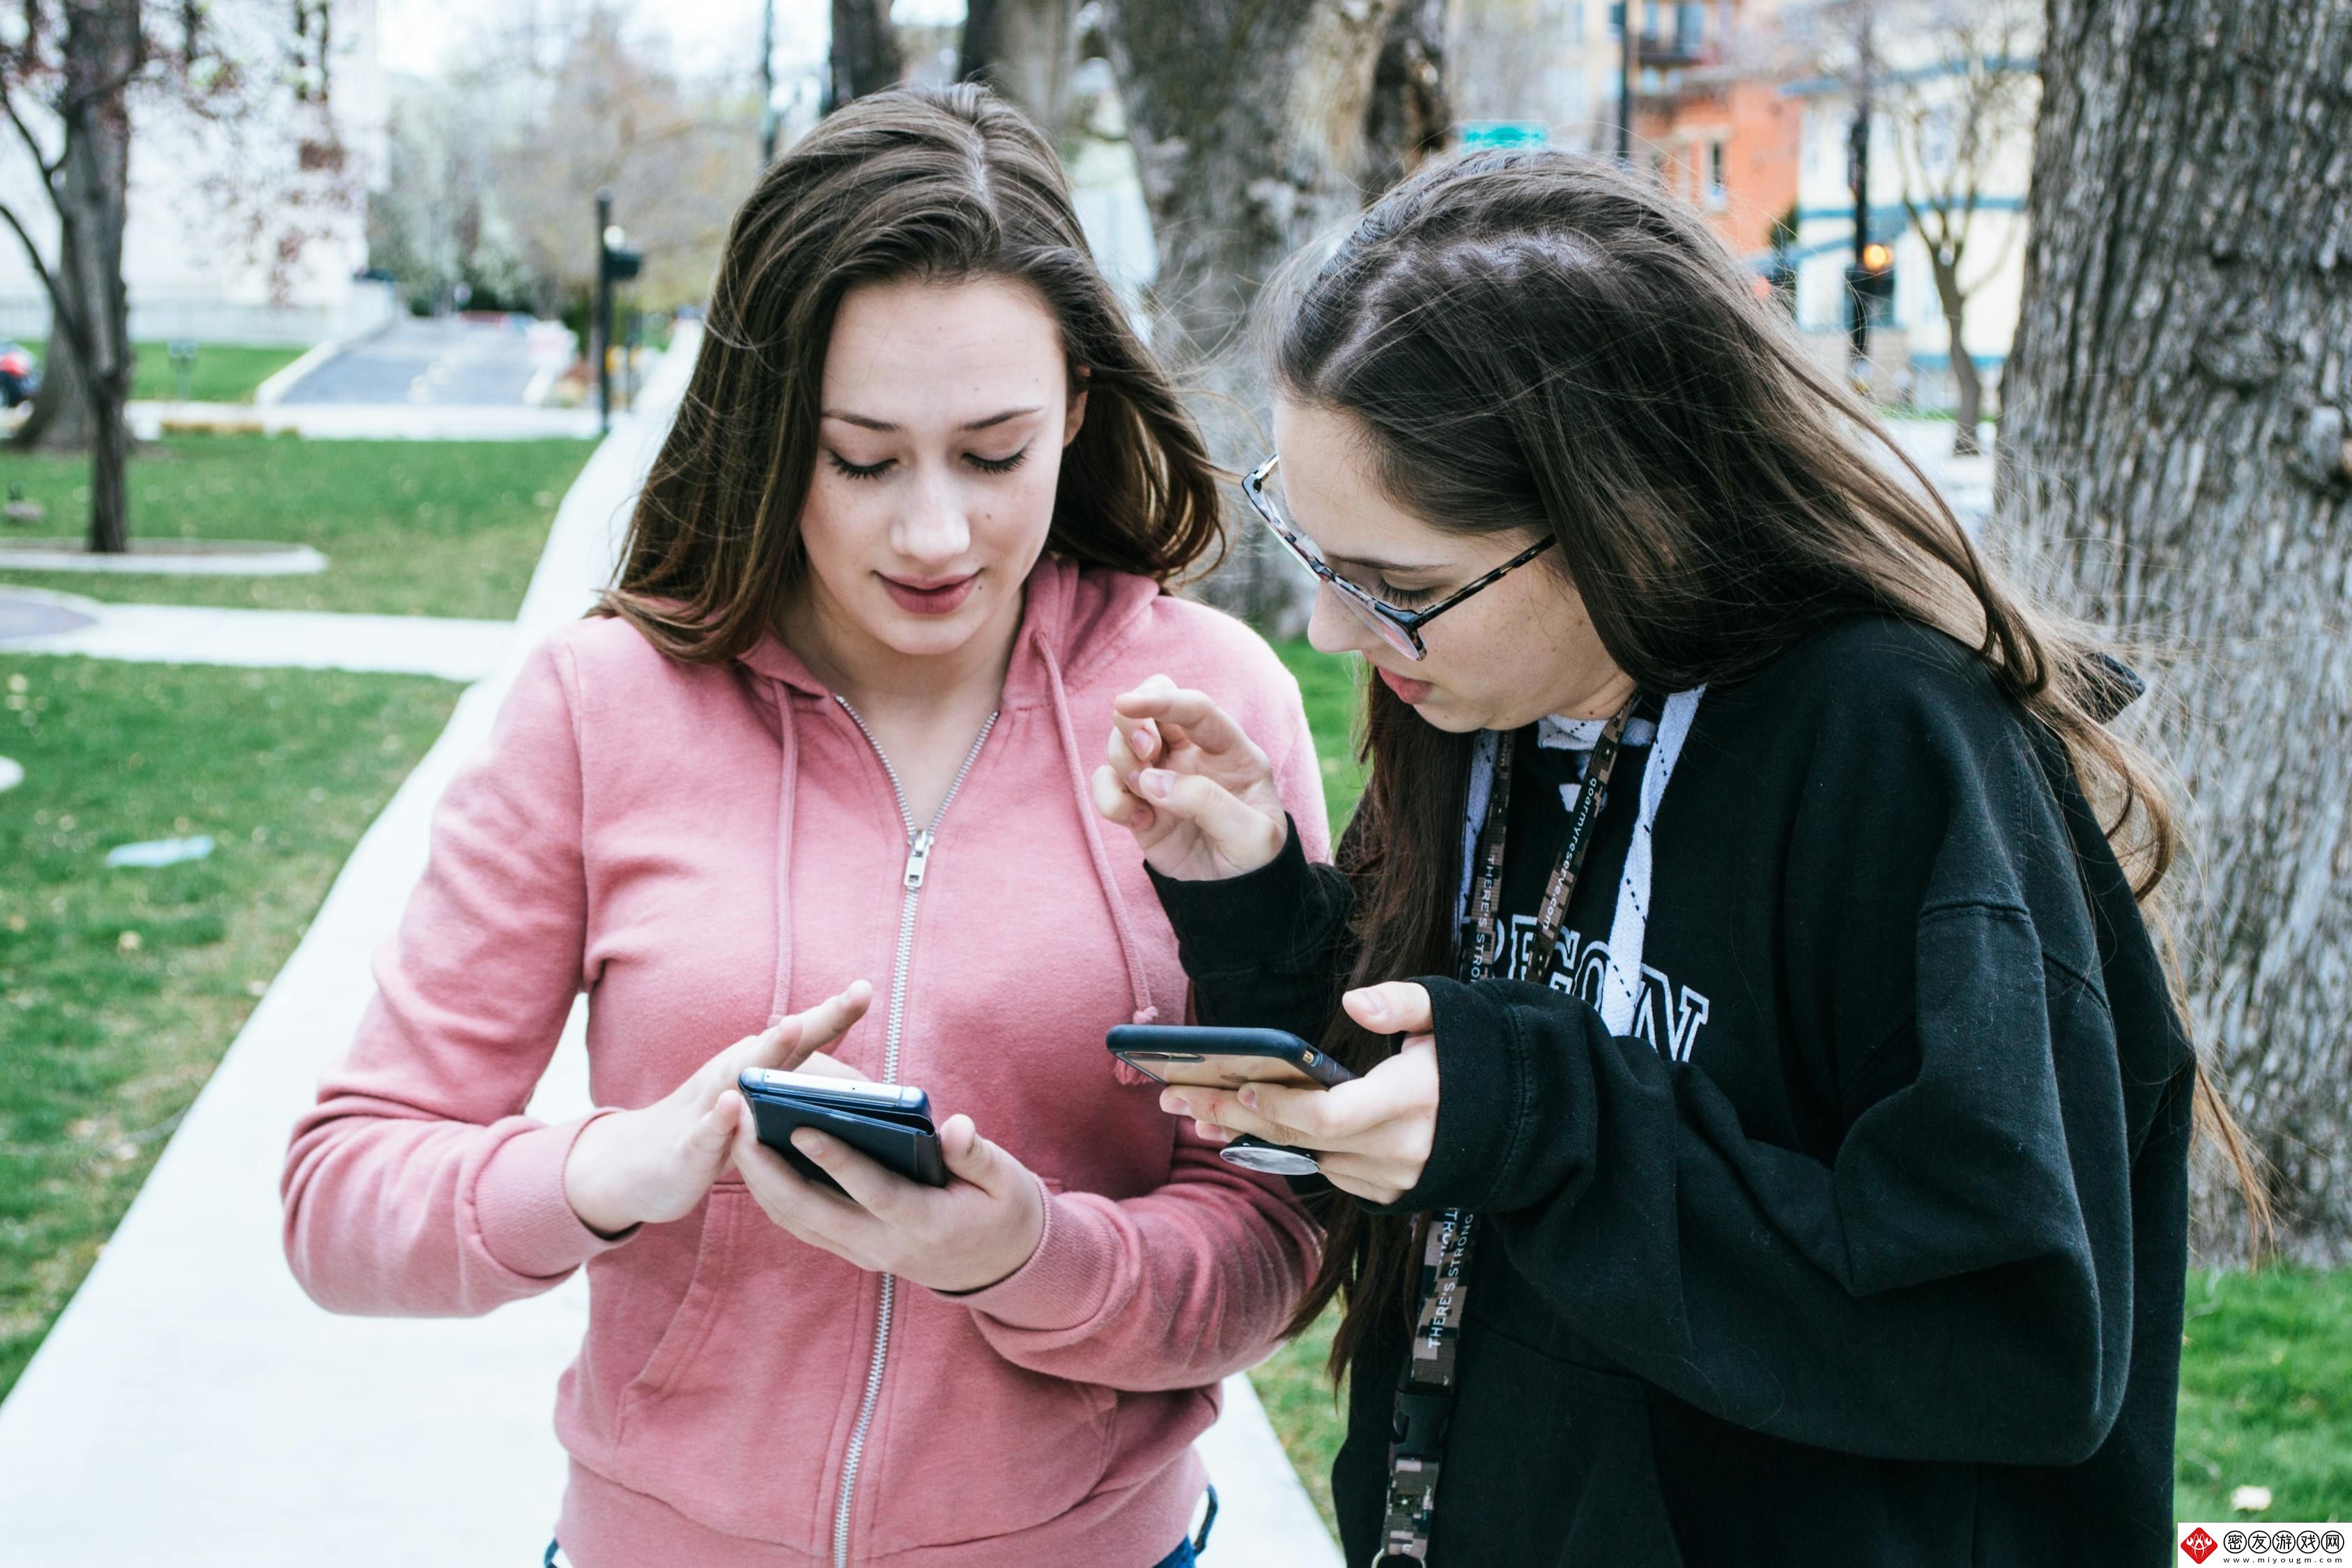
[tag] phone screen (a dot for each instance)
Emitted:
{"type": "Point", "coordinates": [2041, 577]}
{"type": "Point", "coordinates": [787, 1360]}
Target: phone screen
{"type": "Point", "coordinates": [1212, 1072]}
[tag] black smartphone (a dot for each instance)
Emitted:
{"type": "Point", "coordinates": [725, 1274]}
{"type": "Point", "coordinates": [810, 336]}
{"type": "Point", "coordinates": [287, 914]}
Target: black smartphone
{"type": "Point", "coordinates": [1213, 1057]}
{"type": "Point", "coordinates": [889, 1124]}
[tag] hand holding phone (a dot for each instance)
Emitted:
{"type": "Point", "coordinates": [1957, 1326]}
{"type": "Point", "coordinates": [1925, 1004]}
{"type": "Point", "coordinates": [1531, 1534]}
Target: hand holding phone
{"type": "Point", "coordinates": [1370, 1136]}
{"type": "Point", "coordinates": [983, 1223]}
{"type": "Point", "coordinates": [890, 1124]}
{"type": "Point", "coordinates": [1195, 1055]}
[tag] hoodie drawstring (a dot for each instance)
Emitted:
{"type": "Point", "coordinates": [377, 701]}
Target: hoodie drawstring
{"type": "Point", "coordinates": [1128, 947]}
{"type": "Point", "coordinates": [788, 767]}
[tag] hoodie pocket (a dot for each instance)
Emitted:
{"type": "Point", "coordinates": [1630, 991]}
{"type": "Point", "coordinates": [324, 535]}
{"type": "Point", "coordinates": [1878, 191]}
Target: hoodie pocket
{"type": "Point", "coordinates": [740, 1409]}
{"type": "Point", "coordinates": [966, 1446]}
{"type": "Point", "coordinates": [1548, 1462]}
{"type": "Point", "coordinates": [690, 1324]}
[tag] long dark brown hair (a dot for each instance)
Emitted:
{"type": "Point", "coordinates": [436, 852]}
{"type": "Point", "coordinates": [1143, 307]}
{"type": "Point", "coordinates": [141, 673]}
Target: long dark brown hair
{"type": "Point", "coordinates": [1539, 342]}
{"type": "Point", "coordinates": [937, 185]}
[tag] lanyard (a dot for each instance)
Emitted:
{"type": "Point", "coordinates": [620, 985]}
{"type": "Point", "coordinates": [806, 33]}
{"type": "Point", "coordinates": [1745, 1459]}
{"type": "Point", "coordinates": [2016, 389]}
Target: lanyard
{"type": "Point", "coordinates": [1425, 1399]}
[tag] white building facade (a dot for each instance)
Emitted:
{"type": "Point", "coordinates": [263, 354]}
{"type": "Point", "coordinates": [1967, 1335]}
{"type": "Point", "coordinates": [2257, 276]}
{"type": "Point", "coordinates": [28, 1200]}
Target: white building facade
{"type": "Point", "coordinates": [253, 236]}
{"type": "Point", "coordinates": [1912, 145]}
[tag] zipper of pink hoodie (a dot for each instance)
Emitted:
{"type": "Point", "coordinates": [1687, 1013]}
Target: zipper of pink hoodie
{"type": "Point", "coordinates": [918, 855]}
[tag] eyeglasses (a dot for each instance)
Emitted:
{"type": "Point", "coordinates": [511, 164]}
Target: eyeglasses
{"type": "Point", "coordinates": [1401, 629]}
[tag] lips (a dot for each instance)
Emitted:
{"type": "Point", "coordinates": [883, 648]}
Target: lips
{"type": "Point", "coordinates": [1406, 687]}
{"type": "Point", "coordinates": [934, 596]}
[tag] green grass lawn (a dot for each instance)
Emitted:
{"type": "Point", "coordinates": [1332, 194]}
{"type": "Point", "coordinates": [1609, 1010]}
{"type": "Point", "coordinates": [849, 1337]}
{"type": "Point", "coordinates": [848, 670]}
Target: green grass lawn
{"type": "Point", "coordinates": [2266, 1394]}
{"type": "Point", "coordinates": [418, 528]}
{"type": "Point", "coordinates": [120, 989]}
{"type": "Point", "coordinates": [224, 372]}
{"type": "Point", "coordinates": [1328, 685]}
{"type": "Point", "coordinates": [2265, 1363]}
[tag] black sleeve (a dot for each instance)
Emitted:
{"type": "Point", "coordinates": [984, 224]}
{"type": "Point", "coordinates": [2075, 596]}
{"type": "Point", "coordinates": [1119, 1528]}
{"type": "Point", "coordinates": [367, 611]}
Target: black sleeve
{"type": "Point", "coordinates": [1954, 1280]}
{"type": "Point", "coordinates": [1268, 949]}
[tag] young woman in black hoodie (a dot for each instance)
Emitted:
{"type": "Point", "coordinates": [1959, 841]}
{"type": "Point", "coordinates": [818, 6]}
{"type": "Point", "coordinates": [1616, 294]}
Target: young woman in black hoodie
{"type": "Point", "coordinates": [1780, 1156]}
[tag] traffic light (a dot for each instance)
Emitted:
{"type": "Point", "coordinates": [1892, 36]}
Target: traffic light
{"type": "Point", "coordinates": [1873, 278]}
{"type": "Point", "coordinates": [621, 264]}
{"type": "Point", "coordinates": [1872, 283]}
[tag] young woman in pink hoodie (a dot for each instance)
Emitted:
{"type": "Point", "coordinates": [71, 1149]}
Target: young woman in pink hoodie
{"type": "Point", "coordinates": [808, 792]}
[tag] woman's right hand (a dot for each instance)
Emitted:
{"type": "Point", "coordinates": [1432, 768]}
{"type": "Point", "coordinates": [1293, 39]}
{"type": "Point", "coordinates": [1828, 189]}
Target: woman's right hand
{"type": "Point", "coordinates": [1194, 790]}
{"type": "Point", "coordinates": [646, 1166]}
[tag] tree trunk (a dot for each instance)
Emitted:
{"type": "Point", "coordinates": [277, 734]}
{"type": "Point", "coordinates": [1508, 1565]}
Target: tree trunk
{"type": "Point", "coordinates": [1254, 128]}
{"type": "Point", "coordinates": [1411, 113]}
{"type": "Point", "coordinates": [1026, 49]}
{"type": "Point", "coordinates": [1966, 385]}
{"type": "Point", "coordinates": [2173, 467]}
{"type": "Point", "coordinates": [91, 309]}
{"type": "Point", "coordinates": [865, 51]}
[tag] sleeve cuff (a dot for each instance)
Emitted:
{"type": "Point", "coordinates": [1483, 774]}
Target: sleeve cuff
{"type": "Point", "coordinates": [526, 1222]}
{"type": "Point", "coordinates": [1066, 1281]}
{"type": "Point", "coordinates": [1478, 1093]}
{"type": "Point", "coordinates": [1241, 922]}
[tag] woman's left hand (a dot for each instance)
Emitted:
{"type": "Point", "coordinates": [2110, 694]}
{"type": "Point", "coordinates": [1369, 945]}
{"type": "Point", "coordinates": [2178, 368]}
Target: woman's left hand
{"type": "Point", "coordinates": [980, 1227]}
{"type": "Point", "coordinates": [1373, 1133]}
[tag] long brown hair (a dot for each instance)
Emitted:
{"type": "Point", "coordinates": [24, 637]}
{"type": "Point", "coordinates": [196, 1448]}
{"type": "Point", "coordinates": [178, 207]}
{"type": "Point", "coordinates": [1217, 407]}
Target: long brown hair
{"type": "Point", "coordinates": [1541, 342]}
{"type": "Point", "coordinates": [937, 185]}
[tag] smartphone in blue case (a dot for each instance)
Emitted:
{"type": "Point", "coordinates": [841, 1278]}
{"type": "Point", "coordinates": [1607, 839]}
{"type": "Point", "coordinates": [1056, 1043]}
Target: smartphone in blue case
{"type": "Point", "coordinates": [889, 1124]}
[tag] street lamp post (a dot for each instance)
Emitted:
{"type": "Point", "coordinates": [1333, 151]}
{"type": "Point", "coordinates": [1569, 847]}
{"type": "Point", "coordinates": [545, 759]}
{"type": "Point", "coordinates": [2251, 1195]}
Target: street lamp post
{"type": "Point", "coordinates": [1629, 71]}
{"type": "Point", "coordinates": [768, 84]}
{"type": "Point", "coordinates": [1858, 172]}
{"type": "Point", "coordinates": [615, 263]}
{"type": "Point", "coordinates": [599, 327]}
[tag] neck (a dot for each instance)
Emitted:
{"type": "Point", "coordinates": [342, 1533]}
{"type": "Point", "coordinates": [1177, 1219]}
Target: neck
{"type": "Point", "coordinates": [1596, 697]}
{"type": "Point", "coordinates": [876, 678]}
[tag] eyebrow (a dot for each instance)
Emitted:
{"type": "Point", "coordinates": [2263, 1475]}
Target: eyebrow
{"type": "Point", "coordinates": [863, 422]}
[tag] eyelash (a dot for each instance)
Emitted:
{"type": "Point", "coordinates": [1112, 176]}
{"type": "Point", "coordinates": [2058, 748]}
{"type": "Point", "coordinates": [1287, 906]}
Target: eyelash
{"type": "Point", "coordinates": [850, 471]}
{"type": "Point", "coordinates": [1405, 598]}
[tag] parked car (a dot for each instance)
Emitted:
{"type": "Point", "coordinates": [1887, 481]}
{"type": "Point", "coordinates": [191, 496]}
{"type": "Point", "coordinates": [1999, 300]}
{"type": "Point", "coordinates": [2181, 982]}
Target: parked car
{"type": "Point", "coordinates": [20, 375]}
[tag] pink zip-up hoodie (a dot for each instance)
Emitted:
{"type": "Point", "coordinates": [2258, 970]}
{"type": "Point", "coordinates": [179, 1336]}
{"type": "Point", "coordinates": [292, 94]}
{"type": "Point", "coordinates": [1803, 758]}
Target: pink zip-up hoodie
{"type": "Point", "coordinates": [702, 850]}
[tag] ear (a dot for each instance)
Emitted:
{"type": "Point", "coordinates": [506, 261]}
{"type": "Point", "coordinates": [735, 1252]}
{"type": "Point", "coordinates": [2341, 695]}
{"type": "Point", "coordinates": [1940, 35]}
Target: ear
{"type": "Point", "coordinates": [1076, 416]}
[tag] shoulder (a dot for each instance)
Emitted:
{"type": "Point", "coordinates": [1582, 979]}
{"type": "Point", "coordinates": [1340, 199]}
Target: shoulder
{"type": "Point", "coordinates": [607, 665]}
{"type": "Point", "coordinates": [1875, 682]}
{"type": "Point", "coordinates": [1192, 644]}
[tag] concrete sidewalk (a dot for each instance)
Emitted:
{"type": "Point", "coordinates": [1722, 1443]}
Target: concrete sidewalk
{"type": "Point", "coordinates": [186, 634]}
{"type": "Point", "coordinates": [192, 1408]}
{"type": "Point", "coordinates": [364, 421]}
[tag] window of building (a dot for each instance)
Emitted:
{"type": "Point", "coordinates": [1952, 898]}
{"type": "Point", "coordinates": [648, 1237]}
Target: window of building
{"type": "Point", "coordinates": [1717, 194]}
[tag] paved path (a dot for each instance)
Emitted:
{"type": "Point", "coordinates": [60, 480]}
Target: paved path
{"type": "Point", "coordinates": [441, 360]}
{"type": "Point", "coordinates": [366, 422]}
{"type": "Point", "coordinates": [34, 622]}
{"type": "Point", "coordinates": [192, 1408]}
{"type": "Point", "coordinates": [1966, 483]}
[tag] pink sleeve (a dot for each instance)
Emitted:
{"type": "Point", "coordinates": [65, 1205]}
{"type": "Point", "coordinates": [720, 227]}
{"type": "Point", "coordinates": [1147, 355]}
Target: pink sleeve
{"type": "Point", "coordinates": [416, 1186]}
{"type": "Point", "coordinates": [1196, 1281]}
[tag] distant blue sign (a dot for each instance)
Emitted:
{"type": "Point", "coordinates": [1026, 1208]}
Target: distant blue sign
{"type": "Point", "coordinates": [1505, 133]}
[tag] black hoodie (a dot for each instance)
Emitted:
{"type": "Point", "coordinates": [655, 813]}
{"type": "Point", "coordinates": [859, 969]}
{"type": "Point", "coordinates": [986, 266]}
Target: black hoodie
{"type": "Point", "coordinates": [1866, 1246]}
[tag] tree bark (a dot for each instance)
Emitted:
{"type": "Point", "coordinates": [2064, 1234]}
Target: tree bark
{"type": "Point", "coordinates": [1258, 128]}
{"type": "Point", "coordinates": [2173, 467]}
{"type": "Point", "coordinates": [1026, 49]}
{"type": "Point", "coordinates": [865, 51]}
{"type": "Point", "coordinates": [1966, 385]}
{"type": "Point", "coordinates": [90, 307]}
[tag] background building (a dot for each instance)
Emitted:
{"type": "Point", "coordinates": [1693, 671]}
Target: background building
{"type": "Point", "coordinates": [218, 248]}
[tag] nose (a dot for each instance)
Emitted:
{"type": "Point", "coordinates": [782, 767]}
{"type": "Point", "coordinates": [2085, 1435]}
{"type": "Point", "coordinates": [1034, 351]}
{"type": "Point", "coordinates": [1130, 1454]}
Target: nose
{"type": "Point", "coordinates": [1335, 628]}
{"type": "Point", "coordinates": [935, 529]}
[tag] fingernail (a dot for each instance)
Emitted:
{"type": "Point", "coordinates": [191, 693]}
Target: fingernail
{"type": "Point", "coordinates": [808, 1142]}
{"type": "Point", "coordinates": [1249, 1098]}
{"type": "Point", "coordinates": [1141, 742]}
{"type": "Point", "coordinates": [1157, 782]}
